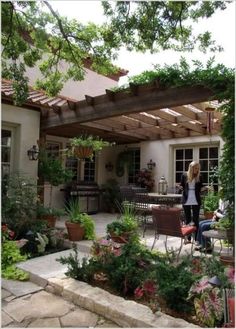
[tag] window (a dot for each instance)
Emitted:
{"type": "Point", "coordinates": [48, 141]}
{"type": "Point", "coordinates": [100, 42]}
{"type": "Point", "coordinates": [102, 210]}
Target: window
{"type": "Point", "coordinates": [89, 170]}
{"type": "Point", "coordinates": [207, 156]}
{"type": "Point", "coordinates": [183, 157]}
{"type": "Point", "coordinates": [53, 149]}
{"type": "Point", "coordinates": [135, 167]}
{"type": "Point", "coordinates": [208, 159]}
{"type": "Point", "coordinates": [6, 152]}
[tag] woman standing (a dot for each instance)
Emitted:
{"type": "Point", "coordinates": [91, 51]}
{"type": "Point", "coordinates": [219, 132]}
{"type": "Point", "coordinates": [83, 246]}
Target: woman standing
{"type": "Point", "coordinates": [192, 184]}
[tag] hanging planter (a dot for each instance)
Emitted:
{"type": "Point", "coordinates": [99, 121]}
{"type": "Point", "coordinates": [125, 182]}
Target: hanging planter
{"type": "Point", "coordinates": [84, 146]}
{"type": "Point", "coordinates": [82, 152]}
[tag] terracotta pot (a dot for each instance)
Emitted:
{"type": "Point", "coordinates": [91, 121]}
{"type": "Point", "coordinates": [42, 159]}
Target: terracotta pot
{"type": "Point", "coordinates": [227, 260]}
{"type": "Point", "coordinates": [124, 238]}
{"type": "Point", "coordinates": [75, 231]}
{"type": "Point", "coordinates": [82, 152]}
{"type": "Point", "coordinates": [51, 220]}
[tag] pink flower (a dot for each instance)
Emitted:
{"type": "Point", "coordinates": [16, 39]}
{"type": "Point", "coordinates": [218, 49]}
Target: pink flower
{"type": "Point", "coordinates": [138, 292]}
{"type": "Point", "coordinates": [230, 273]}
{"type": "Point", "coordinates": [200, 286]}
{"type": "Point", "coordinates": [149, 287]}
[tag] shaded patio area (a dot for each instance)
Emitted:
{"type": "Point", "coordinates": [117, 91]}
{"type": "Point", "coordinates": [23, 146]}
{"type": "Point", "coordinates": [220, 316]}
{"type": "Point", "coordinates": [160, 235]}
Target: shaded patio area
{"type": "Point", "coordinates": [102, 219]}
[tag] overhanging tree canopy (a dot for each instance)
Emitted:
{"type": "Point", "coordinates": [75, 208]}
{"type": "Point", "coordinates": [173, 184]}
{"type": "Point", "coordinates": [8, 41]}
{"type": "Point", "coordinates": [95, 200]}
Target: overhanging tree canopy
{"type": "Point", "coordinates": [28, 32]}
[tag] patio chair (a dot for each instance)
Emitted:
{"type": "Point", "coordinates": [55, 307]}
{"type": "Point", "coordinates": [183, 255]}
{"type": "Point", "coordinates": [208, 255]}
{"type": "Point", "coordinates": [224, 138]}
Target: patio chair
{"type": "Point", "coordinates": [167, 221]}
{"type": "Point", "coordinates": [143, 207]}
{"type": "Point", "coordinates": [127, 193]}
{"type": "Point", "coordinates": [229, 308]}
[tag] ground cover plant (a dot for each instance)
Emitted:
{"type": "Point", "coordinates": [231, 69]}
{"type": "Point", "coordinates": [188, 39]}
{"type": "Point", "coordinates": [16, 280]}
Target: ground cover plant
{"type": "Point", "coordinates": [181, 289]}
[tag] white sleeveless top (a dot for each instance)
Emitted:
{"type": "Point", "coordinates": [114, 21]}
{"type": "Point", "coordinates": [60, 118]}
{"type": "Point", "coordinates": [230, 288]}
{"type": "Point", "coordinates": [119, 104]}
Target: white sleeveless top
{"type": "Point", "coordinates": [191, 200]}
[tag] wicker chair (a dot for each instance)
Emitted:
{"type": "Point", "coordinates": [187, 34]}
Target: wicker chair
{"type": "Point", "coordinates": [167, 221]}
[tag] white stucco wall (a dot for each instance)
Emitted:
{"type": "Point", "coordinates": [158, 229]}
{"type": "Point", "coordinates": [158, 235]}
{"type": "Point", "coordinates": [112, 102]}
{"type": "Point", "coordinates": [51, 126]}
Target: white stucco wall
{"type": "Point", "coordinates": [24, 124]}
{"type": "Point", "coordinates": [162, 153]}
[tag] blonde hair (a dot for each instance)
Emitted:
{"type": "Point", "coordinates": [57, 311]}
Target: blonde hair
{"type": "Point", "coordinates": [190, 173]}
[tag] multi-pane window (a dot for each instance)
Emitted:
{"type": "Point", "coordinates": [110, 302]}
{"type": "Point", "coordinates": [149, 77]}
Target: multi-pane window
{"type": "Point", "coordinates": [6, 152]}
{"type": "Point", "coordinates": [89, 170]}
{"type": "Point", "coordinates": [53, 149]}
{"type": "Point", "coordinates": [207, 156]}
{"type": "Point", "coordinates": [72, 164]}
{"type": "Point", "coordinates": [135, 166]}
{"type": "Point", "coordinates": [208, 159]}
{"type": "Point", "coordinates": [183, 157]}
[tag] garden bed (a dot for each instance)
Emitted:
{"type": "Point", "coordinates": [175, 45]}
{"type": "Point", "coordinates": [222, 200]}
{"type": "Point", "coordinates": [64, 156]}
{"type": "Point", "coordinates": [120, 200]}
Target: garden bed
{"type": "Point", "coordinates": [180, 289]}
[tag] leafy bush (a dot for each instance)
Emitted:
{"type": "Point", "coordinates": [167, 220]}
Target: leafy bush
{"type": "Point", "coordinates": [10, 256]}
{"type": "Point", "coordinates": [19, 203]}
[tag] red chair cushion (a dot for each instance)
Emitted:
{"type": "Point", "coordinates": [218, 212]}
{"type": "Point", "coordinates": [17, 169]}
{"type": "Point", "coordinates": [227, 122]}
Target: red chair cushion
{"type": "Point", "coordinates": [186, 230]}
{"type": "Point", "coordinates": [231, 302]}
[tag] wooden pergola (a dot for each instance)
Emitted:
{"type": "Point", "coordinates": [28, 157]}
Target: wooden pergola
{"type": "Point", "coordinates": [139, 113]}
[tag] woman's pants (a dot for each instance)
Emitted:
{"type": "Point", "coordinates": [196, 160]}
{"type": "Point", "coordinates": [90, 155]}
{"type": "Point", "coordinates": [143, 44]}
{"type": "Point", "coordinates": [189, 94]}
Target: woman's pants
{"type": "Point", "coordinates": [204, 225]}
{"type": "Point", "coordinates": [192, 214]}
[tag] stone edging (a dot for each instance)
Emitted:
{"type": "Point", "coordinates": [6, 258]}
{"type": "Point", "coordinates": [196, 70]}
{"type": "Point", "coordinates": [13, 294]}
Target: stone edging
{"type": "Point", "coordinates": [123, 312]}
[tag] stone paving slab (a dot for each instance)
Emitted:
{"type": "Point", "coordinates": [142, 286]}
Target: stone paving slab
{"type": "Point", "coordinates": [19, 288]}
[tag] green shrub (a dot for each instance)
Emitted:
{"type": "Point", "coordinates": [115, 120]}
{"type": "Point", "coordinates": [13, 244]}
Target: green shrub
{"type": "Point", "coordinates": [10, 256]}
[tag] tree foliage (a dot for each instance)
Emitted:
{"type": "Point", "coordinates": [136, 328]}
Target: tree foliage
{"type": "Point", "coordinates": [160, 25]}
{"type": "Point", "coordinates": [32, 29]}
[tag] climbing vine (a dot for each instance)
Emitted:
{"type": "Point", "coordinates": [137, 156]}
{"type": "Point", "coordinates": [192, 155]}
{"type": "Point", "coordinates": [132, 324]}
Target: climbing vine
{"type": "Point", "coordinates": [221, 81]}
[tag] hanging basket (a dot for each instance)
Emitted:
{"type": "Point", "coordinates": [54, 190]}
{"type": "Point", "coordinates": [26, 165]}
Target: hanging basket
{"type": "Point", "coordinates": [82, 152]}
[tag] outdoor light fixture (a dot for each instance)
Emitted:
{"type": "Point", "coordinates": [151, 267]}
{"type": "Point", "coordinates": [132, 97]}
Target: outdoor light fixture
{"type": "Point", "coordinates": [151, 164]}
{"type": "Point", "coordinates": [215, 281]}
{"type": "Point", "coordinates": [33, 153]}
{"type": "Point", "coordinates": [109, 166]}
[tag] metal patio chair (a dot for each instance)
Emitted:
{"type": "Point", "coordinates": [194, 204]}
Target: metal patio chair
{"type": "Point", "coordinates": [143, 207]}
{"type": "Point", "coordinates": [167, 221]}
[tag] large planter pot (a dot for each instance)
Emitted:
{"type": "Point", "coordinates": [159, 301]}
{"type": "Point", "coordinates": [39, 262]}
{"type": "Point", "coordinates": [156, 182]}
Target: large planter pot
{"type": "Point", "coordinates": [82, 152]}
{"type": "Point", "coordinates": [227, 260]}
{"type": "Point", "coordinates": [75, 231]}
{"type": "Point", "coordinates": [51, 220]}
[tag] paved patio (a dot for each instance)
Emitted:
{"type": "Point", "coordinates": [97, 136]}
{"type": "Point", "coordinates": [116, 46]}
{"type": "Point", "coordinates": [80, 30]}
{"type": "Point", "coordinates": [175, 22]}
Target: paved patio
{"type": "Point", "coordinates": [102, 219]}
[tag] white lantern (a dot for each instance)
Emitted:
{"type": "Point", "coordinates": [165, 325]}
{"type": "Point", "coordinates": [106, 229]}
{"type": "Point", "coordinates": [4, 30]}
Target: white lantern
{"type": "Point", "coordinates": [162, 186]}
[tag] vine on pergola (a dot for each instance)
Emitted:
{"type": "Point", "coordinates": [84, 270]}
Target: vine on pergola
{"type": "Point", "coordinates": [221, 81]}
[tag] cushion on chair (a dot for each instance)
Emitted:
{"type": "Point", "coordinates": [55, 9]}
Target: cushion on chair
{"type": "Point", "coordinates": [231, 302]}
{"type": "Point", "coordinates": [186, 230]}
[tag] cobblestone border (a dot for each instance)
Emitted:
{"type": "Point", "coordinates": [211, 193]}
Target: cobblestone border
{"type": "Point", "coordinates": [123, 312]}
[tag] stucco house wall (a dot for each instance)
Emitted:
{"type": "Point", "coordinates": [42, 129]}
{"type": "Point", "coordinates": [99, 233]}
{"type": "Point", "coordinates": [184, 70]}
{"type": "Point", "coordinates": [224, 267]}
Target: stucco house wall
{"type": "Point", "coordinates": [24, 125]}
{"type": "Point", "coordinates": [162, 152]}
{"type": "Point", "coordinates": [94, 84]}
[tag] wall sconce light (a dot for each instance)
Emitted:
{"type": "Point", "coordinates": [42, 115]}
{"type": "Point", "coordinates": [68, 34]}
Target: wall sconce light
{"type": "Point", "coordinates": [109, 166]}
{"type": "Point", "coordinates": [151, 164]}
{"type": "Point", "coordinates": [33, 153]}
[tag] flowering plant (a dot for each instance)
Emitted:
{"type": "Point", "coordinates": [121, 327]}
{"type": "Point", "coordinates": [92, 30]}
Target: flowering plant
{"type": "Point", "coordinates": [147, 291]}
{"type": "Point", "coordinates": [7, 234]}
{"type": "Point", "coordinates": [144, 179]}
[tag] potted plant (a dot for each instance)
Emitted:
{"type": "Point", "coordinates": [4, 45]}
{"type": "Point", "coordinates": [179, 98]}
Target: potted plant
{"type": "Point", "coordinates": [52, 171]}
{"type": "Point", "coordinates": [49, 214]}
{"type": "Point", "coordinates": [144, 179]}
{"type": "Point", "coordinates": [79, 225]}
{"type": "Point", "coordinates": [125, 227]}
{"type": "Point", "coordinates": [84, 146]}
{"type": "Point", "coordinates": [210, 204]}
